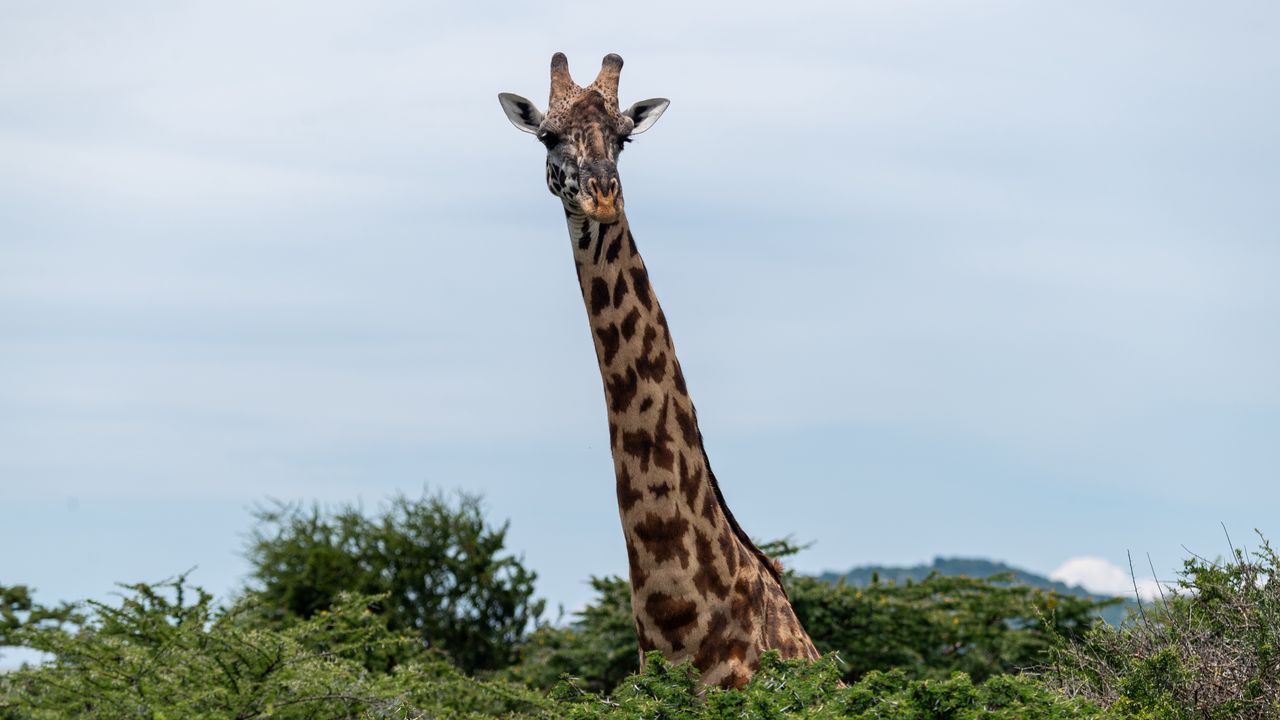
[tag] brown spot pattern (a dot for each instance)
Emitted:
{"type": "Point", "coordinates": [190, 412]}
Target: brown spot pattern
{"type": "Point", "coordinates": [629, 324]}
{"type": "Point", "coordinates": [719, 645]}
{"type": "Point", "coordinates": [600, 229]}
{"type": "Point", "coordinates": [650, 335]}
{"type": "Point", "coordinates": [599, 295]}
{"type": "Point", "coordinates": [674, 617]}
{"type": "Point", "coordinates": [638, 444]}
{"type": "Point", "coordinates": [619, 290]}
{"type": "Point", "coordinates": [663, 456]}
{"type": "Point", "coordinates": [640, 279]}
{"type": "Point", "coordinates": [609, 341]}
{"type": "Point", "coordinates": [721, 594]}
{"type": "Point", "coordinates": [628, 496]}
{"type": "Point", "coordinates": [688, 426]}
{"type": "Point", "coordinates": [638, 574]}
{"type": "Point", "coordinates": [615, 248]}
{"type": "Point", "coordinates": [729, 550]}
{"type": "Point", "coordinates": [746, 599]}
{"type": "Point", "coordinates": [621, 390]}
{"type": "Point", "coordinates": [652, 369]}
{"type": "Point", "coordinates": [690, 481]}
{"type": "Point", "coordinates": [707, 578]}
{"type": "Point", "coordinates": [642, 637]}
{"type": "Point", "coordinates": [664, 538]}
{"type": "Point", "coordinates": [660, 490]}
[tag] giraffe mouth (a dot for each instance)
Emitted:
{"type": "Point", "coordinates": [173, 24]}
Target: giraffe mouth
{"type": "Point", "coordinates": [604, 207]}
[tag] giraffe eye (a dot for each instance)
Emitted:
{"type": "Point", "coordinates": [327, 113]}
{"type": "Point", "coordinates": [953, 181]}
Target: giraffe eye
{"type": "Point", "coordinates": [548, 138]}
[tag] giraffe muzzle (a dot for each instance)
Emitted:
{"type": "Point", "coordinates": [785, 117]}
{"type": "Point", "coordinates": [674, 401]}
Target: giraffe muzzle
{"type": "Point", "coordinates": [603, 203]}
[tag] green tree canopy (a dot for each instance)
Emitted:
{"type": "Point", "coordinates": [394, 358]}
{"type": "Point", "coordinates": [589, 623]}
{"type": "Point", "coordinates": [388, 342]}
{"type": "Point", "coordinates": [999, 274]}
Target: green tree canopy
{"type": "Point", "coordinates": [1208, 648]}
{"type": "Point", "coordinates": [18, 610]}
{"type": "Point", "coordinates": [167, 651]}
{"type": "Point", "coordinates": [927, 629]}
{"type": "Point", "coordinates": [441, 566]}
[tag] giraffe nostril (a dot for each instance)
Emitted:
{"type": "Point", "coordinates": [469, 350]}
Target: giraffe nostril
{"type": "Point", "coordinates": [592, 186]}
{"type": "Point", "coordinates": [613, 186]}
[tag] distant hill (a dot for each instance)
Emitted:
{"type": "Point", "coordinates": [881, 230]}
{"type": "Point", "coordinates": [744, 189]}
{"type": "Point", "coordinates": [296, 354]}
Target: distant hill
{"type": "Point", "coordinates": [974, 568]}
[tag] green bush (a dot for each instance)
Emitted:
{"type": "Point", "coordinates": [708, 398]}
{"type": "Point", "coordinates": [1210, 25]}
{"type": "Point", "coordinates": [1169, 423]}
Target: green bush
{"type": "Point", "coordinates": [940, 648]}
{"type": "Point", "coordinates": [812, 691]}
{"type": "Point", "coordinates": [18, 610]}
{"type": "Point", "coordinates": [928, 629]}
{"type": "Point", "coordinates": [598, 649]}
{"type": "Point", "coordinates": [940, 625]}
{"type": "Point", "coordinates": [439, 564]}
{"type": "Point", "coordinates": [1209, 649]}
{"type": "Point", "coordinates": [167, 652]}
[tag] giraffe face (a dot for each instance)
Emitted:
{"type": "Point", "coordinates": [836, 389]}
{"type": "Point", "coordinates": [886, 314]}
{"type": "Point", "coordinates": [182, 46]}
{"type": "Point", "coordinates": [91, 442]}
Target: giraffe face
{"type": "Point", "coordinates": [583, 143]}
{"type": "Point", "coordinates": [584, 133]}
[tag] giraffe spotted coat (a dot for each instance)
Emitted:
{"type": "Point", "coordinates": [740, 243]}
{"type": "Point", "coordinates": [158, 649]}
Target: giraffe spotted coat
{"type": "Point", "coordinates": [700, 590]}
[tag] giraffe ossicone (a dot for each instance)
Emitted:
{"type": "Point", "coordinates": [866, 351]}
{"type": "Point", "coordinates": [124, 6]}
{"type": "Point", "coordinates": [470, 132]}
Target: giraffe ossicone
{"type": "Point", "coordinates": [700, 589]}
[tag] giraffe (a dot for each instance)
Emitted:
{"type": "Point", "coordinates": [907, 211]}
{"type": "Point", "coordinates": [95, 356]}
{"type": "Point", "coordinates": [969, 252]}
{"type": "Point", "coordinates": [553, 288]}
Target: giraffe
{"type": "Point", "coordinates": [700, 589]}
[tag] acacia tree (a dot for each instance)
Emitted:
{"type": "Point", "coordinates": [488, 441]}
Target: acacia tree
{"type": "Point", "coordinates": [1209, 647]}
{"type": "Point", "coordinates": [18, 610]}
{"type": "Point", "coordinates": [440, 564]}
{"type": "Point", "coordinates": [925, 629]}
{"type": "Point", "coordinates": [166, 650]}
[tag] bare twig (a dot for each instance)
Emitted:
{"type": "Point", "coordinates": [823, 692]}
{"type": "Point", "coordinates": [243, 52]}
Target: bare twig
{"type": "Point", "coordinates": [1136, 596]}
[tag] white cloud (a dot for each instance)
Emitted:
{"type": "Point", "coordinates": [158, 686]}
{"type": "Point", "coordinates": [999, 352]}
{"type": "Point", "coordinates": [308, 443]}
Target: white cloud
{"type": "Point", "coordinates": [1098, 575]}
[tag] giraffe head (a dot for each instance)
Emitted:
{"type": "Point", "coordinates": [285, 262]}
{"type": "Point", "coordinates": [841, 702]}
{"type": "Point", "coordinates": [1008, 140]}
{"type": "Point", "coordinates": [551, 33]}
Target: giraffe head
{"type": "Point", "coordinates": [584, 132]}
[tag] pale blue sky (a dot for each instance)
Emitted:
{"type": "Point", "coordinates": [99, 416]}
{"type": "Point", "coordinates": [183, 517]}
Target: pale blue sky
{"type": "Point", "coordinates": [985, 278]}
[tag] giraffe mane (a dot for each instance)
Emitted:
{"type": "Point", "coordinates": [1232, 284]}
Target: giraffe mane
{"type": "Point", "coordinates": [772, 566]}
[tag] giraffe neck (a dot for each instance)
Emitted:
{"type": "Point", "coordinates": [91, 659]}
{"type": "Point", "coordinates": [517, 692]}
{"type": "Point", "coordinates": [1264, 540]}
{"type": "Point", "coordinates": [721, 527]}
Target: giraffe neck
{"type": "Point", "coordinates": [700, 590]}
{"type": "Point", "coordinates": [674, 518]}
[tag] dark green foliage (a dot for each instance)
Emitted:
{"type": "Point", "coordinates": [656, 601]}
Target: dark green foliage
{"type": "Point", "coordinates": [798, 689]}
{"type": "Point", "coordinates": [940, 648]}
{"type": "Point", "coordinates": [1209, 649]}
{"type": "Point", "coordinates": [166, 652]}
{"type": "Point", "coordinates": [440, 565]}
{"type": "Point", "coordinates": [928, 629]}
{"type": "Point", "coordinates": [939, 625]}
{"type": "Point", "coordinates": [598, 649]}
{"type": "Point", "coordinates": [18, 610]}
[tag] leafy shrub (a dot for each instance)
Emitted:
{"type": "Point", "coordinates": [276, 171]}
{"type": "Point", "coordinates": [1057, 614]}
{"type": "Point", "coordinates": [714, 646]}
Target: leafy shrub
{"type": "Point", "coordinates": [928, 629]}
{"type": "Point", "coordinates": [18, 610]}
{"type": "Point", "coordinates": [598, 649]}
{"type": "Point", "coordinates": [439, 564]}
{"type": "Point", "coordinates": [1208, 649]}
{"type": "Point", "coordinates": [167, 652]}
{"type": "Point", "coordinates": [929, 650]}
{"type": "Point", "coordinates": [940, 625]}
{"type": "Point", "coordinates": [799, 689]}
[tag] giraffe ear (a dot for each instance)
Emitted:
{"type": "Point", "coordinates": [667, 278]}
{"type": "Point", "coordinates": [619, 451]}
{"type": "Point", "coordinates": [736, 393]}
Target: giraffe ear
{"type": "Point", "coordinates": [521, 112]}
{"type": "Point", "coordinates": [645, 113]}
